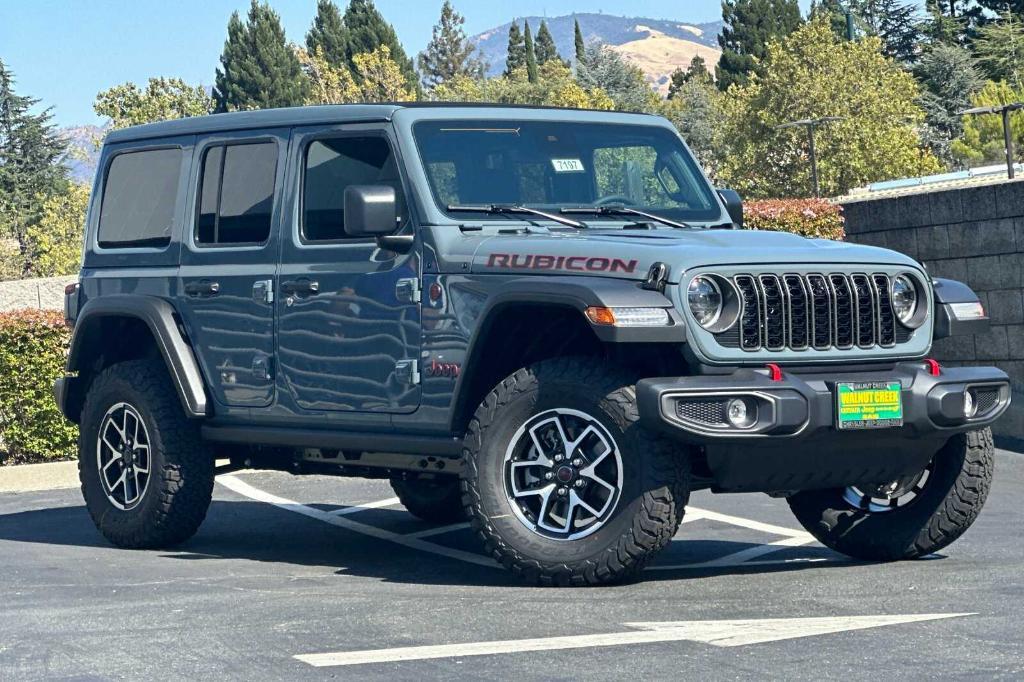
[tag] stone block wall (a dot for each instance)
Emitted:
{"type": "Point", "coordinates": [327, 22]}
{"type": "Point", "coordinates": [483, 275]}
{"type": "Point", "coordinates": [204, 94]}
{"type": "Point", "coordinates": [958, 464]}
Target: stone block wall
{"type": "Point", "coordinates": [975, 235]}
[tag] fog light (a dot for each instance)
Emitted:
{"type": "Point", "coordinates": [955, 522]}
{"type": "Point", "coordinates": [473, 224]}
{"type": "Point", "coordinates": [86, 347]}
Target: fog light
{"type": "Point", "coordinates": [970, 406]}
{"type": "Point", "coordinates": [739, 413]}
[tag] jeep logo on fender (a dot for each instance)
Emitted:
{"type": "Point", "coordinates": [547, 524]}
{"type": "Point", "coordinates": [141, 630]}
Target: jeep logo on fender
{"type": "Point", "coordinates": [543, 262]}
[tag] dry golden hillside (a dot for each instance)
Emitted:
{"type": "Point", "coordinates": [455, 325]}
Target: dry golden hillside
{"type": "Point", "coordinates": [659, 55]}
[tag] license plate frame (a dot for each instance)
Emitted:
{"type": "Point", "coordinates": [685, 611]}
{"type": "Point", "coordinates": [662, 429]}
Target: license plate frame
{"type": "Point", "coordinates": [873, 408]}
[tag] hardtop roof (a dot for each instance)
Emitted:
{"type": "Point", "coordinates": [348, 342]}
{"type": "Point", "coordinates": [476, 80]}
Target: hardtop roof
{"type": "Point", "coordinates": [307, 115]}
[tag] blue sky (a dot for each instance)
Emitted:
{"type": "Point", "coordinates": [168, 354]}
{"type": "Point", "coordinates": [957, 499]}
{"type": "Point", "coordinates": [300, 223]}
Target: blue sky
{"type": "Point", "coordinates": [65, 51]}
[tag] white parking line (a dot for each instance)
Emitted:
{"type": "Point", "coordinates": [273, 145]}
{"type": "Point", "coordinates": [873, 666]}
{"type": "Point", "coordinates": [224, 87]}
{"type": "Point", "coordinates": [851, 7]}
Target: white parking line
{"type": "Point", "coordinates": [722, 633]}
{"type": "Point", "coordinates": [415, 540]}
{"type": "Point", "coordinates": [345, 511]}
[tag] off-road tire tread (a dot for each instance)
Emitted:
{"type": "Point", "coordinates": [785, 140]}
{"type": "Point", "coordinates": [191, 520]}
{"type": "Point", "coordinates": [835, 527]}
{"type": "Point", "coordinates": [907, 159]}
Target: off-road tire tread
{"type": "Point", "coordinates": [662, 505]}
{"type": "Point", "coordinates": [449, 509]}
{"type": "Point", "coordinates": [185, 483]}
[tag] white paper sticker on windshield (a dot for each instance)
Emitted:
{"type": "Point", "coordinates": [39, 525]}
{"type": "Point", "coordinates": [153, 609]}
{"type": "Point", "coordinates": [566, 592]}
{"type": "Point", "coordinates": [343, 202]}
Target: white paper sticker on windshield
{"type": "Point", "coordinates": [567, 165]}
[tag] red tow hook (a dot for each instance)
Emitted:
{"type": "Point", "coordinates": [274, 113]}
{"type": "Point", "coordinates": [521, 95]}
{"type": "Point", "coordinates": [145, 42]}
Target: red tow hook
{"type": "Point", "coordinates": [934, 368]}
{"type": "Point", "coordinates": [774, 371]}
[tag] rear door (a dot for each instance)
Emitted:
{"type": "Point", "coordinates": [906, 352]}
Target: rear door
{"type": "Point", "coordinates": [228, 262]}
{"type": "Point", "coordinates": [348, 310]}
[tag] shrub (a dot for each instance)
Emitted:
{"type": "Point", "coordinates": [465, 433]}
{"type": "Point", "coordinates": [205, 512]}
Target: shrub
{"type": "Point", "coordinates": [807, 217]}
{"type": "Point", "coordinates": [33, 349]}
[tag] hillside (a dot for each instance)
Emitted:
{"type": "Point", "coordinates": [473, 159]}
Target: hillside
{"type": "Point", "coordinates": [658, 46]}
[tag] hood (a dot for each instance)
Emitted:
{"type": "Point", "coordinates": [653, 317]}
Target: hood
{"type": "Point", "coordinates": [629, 254]}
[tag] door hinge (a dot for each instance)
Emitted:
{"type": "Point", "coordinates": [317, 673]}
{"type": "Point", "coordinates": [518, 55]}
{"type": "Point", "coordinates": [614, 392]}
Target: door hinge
{"type": "Point", "coordinates": [263, 291]}
{"type": "Point", "coordinates": [407, 290]}
{"type": "Point", "coordinates": [408, 372]}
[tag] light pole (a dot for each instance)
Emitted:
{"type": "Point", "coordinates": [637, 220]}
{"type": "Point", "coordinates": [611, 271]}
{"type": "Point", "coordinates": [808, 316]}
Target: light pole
{"type": "Point", "coordinates": [1005, 110]}
{"type": "Point", "coordinates": [811, 124]}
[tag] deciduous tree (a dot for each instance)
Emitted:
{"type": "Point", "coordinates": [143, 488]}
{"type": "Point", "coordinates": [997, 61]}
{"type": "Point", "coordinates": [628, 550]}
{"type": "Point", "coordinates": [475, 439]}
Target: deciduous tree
{"type": "Point", "coordinates": [380, 77]}
{"type": "Point", "coordinates": [54, 243]}
{"type": "Point", "coordinates": [982, 140]}
{"type": "Point", "coordinates": [329, 83]}
{"type": "Point", "coordinates": [162, 99]}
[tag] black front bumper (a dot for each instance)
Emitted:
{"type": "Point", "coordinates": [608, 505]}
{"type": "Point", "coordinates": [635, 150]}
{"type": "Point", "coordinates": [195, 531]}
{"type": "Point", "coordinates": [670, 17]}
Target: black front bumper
{"type": "Point", "coordinates": [794, 443]}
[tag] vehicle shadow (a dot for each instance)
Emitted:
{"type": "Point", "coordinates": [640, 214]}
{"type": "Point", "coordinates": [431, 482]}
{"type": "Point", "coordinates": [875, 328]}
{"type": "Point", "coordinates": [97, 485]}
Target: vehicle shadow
{"type": "Point", "coordinates": [251, 531]}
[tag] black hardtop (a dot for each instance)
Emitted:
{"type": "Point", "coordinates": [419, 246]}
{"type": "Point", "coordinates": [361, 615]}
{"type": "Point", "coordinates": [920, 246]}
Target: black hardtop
{"type": "Point", "coordinates": [308, 115]}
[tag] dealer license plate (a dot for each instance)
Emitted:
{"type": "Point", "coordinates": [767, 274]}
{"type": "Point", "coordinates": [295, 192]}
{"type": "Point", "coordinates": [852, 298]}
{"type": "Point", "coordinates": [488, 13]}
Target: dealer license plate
{"type": "Point", "coordinates": [870, 405]}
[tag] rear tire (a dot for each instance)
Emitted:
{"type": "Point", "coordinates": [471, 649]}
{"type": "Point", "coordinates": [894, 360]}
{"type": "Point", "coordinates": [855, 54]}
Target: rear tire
{"type": "Point", "coordinates": [533, 439]}
{"type": "Point", "coordinates": [943, 507]}
{"type": "Point", "coordinates": [437, 500]}
{"type": "Point", "coordinates": [147, 476]}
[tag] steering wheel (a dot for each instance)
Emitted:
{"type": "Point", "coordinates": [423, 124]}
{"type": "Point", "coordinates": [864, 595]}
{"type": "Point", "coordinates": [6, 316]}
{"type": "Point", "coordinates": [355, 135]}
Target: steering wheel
{"type": "Point", "coordinates": [614, 199]}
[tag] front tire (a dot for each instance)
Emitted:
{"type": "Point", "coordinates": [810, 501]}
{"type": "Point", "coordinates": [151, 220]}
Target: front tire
{"type": "Point", "coordinates": [147, 477]}
{"type": "Point", "coordinates": [918, 517]}
{"type": "Point", "coordinates": [434, 499]}
{"type": "Point", "coordinates": [561, 483]}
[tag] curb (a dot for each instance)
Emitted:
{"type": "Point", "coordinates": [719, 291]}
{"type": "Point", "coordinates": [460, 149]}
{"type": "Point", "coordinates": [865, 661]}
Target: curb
{"type": "Point", "coordinates": [25, 478]}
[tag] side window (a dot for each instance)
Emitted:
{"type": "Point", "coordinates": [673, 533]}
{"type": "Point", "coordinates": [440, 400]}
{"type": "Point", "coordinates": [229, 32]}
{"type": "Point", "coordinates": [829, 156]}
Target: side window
{"type": "Point", "coordinates": [236, 194]}
{"type": "Point", "coordinates": [139, 197]}
{"type": "Point", "coordinates": [332, 165]}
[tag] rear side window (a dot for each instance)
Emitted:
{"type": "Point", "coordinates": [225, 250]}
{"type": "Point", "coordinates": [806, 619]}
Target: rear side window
{"type": "Point", "coordinates": [331, 166]}
{"type": "Point", "coordinates": [236, 194]}
{"type": "Point", "coordinates": [139, 198]}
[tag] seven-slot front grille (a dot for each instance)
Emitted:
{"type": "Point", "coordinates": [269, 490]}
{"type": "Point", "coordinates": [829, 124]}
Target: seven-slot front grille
{"type": "Point", "coordinates": [822, 311]}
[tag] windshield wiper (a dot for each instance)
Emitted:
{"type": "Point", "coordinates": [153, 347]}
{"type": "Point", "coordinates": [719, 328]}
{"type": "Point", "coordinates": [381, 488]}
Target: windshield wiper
{"type": "Point", "coordinates": [624, 210]}
{"type": "Point", "coordinates": [516, 208]}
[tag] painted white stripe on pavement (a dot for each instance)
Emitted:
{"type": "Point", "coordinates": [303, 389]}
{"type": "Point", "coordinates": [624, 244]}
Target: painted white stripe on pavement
{"type": "Point", "coordinates": [725, 633]}
{"type": "Point", "coordinates": [440, 530]}
{"type": "Point", "coordinates": [242, 488]}
{"type": "Point", "coordinates": [743, 556]}
{"type": "Point", "coordinates": [345, 511]}
{"type": "Point", "coordinates": [748, 523]}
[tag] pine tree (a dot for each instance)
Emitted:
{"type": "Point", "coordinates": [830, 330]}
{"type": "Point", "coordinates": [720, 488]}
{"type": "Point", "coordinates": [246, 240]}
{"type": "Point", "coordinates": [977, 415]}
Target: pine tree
{"type": "Point", "coordinates": [516, 49]}
{"type": "Point", "coordinates": [545, 48]}
{"type": "Point", "coordinates": [1000, 50]}
{"type": "Point", "coordinates": [605, 69]}
{"type": "Point", "coordinates": [750, 25]}
{"type": "Point", "coordinates": [531, 55]}
{"type": "Point", "coordinates": [697, 72]}
{"type": "Point", "coordinates": [259, 69]}
{"type": "Point", "coordinates": [328, 36]}
{"type": "Point", "coordinates": [367, 30]}
{"type": "Point", "coordinates": [895, 22]}
{"type": "Point", "coordinates": [31, 168]}
{"type": "Point", "coordinates": [949, 78]}
{"type": "Point", "coordinates": [578, 41]}
{"type": "Point", "coordinates": [449, 53]}
{"type": "Point", "coordinates": [836, 11]}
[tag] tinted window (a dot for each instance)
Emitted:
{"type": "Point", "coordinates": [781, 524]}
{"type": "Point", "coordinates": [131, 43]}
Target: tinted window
{"type": "Point", "coordinates": [236, 194]}
{"type": "Point", "coordinates": [554, 164]}
{"type": "Point", "coordinates": [331, 166]}
{"type": "Point", "coordinates": [139, 197]}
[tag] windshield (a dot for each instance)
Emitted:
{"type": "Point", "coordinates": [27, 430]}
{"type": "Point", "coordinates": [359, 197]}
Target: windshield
{"type": "Point", "coordinates": [555, 165]}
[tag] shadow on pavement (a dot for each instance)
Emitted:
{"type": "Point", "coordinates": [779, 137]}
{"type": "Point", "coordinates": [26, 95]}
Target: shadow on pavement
{"type": "Point", "coordinates": [252, 531]}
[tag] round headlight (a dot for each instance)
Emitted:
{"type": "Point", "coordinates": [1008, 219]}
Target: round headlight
{"type": "Point", "coordinates": [904, 299]}
{"type": "Point", "coordinates": [705, 300]}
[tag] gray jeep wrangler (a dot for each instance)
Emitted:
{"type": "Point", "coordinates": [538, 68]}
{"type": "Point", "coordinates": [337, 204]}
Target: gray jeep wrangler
{"type": "Point", "coordinates": [544, 321]}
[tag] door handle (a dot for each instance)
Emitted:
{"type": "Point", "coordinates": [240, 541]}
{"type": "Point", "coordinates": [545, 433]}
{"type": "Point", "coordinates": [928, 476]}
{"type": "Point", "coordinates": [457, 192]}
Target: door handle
{"type": "Point", "coordinates": [296, 287]}
{"type": "Point", "coordinates": [202, 288]}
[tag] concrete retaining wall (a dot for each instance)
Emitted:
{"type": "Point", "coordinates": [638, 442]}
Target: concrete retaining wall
{"type": "Point", "coordinates": [975, 235]}
{"type": "Point", "coordinates": [46, 293]}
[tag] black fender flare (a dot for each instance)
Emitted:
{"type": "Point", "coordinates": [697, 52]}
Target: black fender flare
{"type": "Point", "coordinates": [947, 292]}
{"type": "Point", "coordinates": [159, 316]}
{"type": "Point", "coordinates": [577, 293]}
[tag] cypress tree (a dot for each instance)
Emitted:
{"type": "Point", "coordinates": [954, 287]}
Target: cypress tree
{"type": "Point", "coordinates": [749, 26]}
{"type": "Point", "coordinates": [516, 49]}
{"type": "Point", "coordinates": [328, 34]}
{"type": "Point", "coordinates": [580, 46]}
{"type": "Point", "coordinates": [31, 168]}
{"type": "Point", "coordinates": [545, 48]}
{"type": "Point", "coordinates": [531, 55]}
{"type": "Point", "coordinates": [367, 30]}
{"type": "Point", "coordinates": [259, 69]}
{"type": "Point", "coordinates": [449, 53]}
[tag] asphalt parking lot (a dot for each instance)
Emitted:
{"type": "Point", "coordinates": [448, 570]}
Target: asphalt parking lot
{"type": "Point", "coordinates": [324, 578]}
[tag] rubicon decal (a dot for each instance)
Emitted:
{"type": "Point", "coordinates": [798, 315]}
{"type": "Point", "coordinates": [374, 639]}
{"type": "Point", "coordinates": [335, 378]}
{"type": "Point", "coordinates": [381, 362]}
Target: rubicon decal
{"type": "Point", "coordinates": [545, 262]}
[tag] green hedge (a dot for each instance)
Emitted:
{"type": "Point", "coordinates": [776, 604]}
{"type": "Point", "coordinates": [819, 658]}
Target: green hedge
{"type": "Point", "coordinates": [806, 217]}
{"type": "Point", "coordinates": [33, 348]}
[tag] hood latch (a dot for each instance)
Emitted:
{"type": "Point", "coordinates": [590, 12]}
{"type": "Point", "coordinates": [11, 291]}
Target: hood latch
{"type": "Point", "coordinates": [657, 277]}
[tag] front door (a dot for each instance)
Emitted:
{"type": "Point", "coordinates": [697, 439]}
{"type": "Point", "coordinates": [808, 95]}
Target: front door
{"type": "Point", "coordinates": [229, 262]}
{"type": "Point", "coordinates": [348, 310]}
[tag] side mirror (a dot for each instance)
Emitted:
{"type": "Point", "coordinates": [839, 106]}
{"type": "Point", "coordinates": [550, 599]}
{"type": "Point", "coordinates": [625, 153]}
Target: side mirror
{"type": "Point", "coordinates": [370, 210]}
{"type": "Point", "coordinates": [733, 206]}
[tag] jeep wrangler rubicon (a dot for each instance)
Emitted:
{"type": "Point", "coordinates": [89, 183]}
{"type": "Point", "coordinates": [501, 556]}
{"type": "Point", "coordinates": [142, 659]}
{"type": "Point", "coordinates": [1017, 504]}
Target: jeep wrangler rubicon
{"type": "Point", "coordinates": [546, 321]}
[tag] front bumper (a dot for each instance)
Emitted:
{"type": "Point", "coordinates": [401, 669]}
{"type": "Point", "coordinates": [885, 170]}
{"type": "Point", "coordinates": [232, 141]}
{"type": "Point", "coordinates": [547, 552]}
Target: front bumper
{"type": "Point", "coordinates": [793, 442]}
